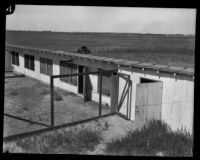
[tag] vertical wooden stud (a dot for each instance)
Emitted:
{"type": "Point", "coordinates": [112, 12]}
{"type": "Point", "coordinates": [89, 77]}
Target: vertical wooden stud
{"type": "Point", "coordinates": [52, 101]}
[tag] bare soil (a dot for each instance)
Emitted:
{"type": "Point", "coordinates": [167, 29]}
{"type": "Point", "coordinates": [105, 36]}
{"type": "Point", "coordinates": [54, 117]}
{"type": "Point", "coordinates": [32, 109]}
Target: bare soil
{"type": "Point", "coordinates": [28, 98]}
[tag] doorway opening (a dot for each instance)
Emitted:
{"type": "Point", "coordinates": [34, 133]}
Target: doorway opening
{"type": "Point", "coordinates": [80, 80]}
{"type": "Point", "coordinates": [146, 80]}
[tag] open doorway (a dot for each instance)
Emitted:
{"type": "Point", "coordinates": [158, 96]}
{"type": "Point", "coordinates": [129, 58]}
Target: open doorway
{"type": "Point", "coordinates": [146, 80]}
{"type": "Point", "coordinates": [80, 80]}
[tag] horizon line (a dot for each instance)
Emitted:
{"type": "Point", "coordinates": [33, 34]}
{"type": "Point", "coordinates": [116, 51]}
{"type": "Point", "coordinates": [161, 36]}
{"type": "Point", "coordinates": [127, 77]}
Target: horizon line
{"type": "Point", "coordinates": [100, 32]}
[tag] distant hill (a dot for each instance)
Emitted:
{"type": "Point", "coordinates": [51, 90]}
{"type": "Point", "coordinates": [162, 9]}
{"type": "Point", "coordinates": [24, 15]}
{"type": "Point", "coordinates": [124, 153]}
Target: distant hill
{"type": "Point", "coordinates": [116, 33]}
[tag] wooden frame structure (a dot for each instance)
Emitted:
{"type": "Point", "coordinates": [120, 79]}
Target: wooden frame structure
{"type": "Point", "coordinates": [85, 74]}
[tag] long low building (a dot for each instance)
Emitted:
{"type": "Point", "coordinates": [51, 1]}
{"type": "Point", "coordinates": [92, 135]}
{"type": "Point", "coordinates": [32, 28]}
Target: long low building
{"type": "Point", "coordinates": [139, 91]}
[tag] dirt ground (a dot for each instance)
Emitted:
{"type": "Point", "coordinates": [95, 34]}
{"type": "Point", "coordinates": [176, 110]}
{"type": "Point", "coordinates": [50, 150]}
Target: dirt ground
{"type": "Point", "coordinates": [30, 99]}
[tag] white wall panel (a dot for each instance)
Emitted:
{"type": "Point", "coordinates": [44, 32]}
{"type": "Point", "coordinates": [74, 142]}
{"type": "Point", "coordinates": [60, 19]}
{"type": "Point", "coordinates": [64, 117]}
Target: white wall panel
{"type": "Point", "coordinates": [176, 114]}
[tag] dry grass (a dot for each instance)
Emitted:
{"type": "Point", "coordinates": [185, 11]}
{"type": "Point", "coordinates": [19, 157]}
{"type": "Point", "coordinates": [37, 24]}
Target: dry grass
{"type": "Point", "coordinates": [85, 138]}
{"type": "Point", "coordinates": [13, 93]}
{"type": "Point", "coordinates": [156, 139]}
{"type": "Point", "coordinates": [74, 141]}
{"type": "Point", "coordinates": [44, 92]}
{"type": "Point", "coordinates": [12, 148]}
{"type": "Point", "coordinates": [58, 96]}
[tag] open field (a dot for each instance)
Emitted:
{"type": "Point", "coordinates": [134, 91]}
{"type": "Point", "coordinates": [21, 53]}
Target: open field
{"type": "Point", "coordinates": [30, 99]}
{"type": "Point", "coordinates": [161, 49]}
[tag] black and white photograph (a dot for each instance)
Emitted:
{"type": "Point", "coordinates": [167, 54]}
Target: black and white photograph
{"type": "Point", "coordinates": [99, 80]}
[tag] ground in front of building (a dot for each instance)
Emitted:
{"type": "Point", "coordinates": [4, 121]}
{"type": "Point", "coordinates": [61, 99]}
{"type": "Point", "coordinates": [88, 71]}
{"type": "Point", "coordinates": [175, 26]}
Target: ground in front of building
{"type": "Point", "coordinates": [29, 99]}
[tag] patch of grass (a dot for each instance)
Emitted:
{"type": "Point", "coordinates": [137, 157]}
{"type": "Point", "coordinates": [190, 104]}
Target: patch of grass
{"type": "Point", "coordinates": [106, 126]}
{"type": "Point", "coordinates": [58, 96]}
{"type": "Point", "coordinates": [97, 123]}
{"type": "Point", "coordinates": [27, 97]}
{"type": "Point", "coordinates": [44, 92]}
{"type": "Point", "coordinates": [23, 107]}
{"type": "Point", "coordinates": [66, 93]}
{"type": "Point", "coordinates": [151, 139]}
{"type": "Point", "coordinates": [87, 138]}
{"type": "Point", "coordinates": [13, 93]}
{"type": "Point", "coordinates": [73, 141]}
{"type": "Point", "coordinates": [11, 147]}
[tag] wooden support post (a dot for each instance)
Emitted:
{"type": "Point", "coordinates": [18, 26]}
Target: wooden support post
{"type": "Point", "coordinates": [127, 111]}
{"type": "Point", "coordinates": [8, 63]}
{"type": "Point", "coordinates": [85, 84]}
{"type": "Point", "coordinates": [52, 101]}
{"type": "Point", "coordinates": [114, 92]}
{"type": "Point", "coordinates": [100, 91]}
{"type": "Point", "coordinates": [129, 117]}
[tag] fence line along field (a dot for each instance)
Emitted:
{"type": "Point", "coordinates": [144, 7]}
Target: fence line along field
{"type": "Point", "coordinates": [153, 48]}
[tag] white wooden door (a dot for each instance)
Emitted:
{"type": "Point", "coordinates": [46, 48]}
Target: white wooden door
{"type": "Point", "coordinates": [148, 102]}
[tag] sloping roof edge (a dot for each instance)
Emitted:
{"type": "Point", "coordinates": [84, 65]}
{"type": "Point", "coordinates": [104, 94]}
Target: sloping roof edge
{"type": "Point", "coordinates": [122, 62]}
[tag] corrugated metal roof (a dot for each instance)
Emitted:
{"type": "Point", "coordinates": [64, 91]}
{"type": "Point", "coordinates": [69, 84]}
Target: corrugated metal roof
{"type": "Point", "coordinates": [160, 67]}
{"type": "Point", "coordinates": [108, 59]}
{"type": "Point", "coordinates": [176, 68]}
{"type": "Point", "coordinates": [143, 65]}
{"type": "Point", "coordinates": [118, 60]}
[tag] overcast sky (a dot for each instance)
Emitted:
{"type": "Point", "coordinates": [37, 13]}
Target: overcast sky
{"type": "Point", "coordinates": [102, 19]}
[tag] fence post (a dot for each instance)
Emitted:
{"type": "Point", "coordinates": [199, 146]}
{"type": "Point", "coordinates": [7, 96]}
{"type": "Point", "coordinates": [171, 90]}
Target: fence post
{"type": "Point", "coordinates": [52, 101]}
{"type": "Point", "coordinates": [100, 90]}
